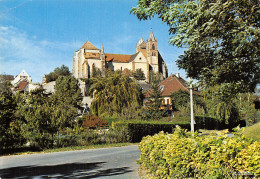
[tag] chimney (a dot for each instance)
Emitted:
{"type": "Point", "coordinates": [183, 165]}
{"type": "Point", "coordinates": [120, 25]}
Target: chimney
{"type": "Point", "coordinates": [178, 75]}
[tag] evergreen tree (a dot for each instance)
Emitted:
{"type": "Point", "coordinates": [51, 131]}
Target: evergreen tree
{"type": "Point", "coordinates": [139, 74]}
{"type": "Point", "coordinates": [154, 109]}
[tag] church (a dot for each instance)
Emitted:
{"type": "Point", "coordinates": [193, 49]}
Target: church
{"type": "Point", "coordinates": [147, 57]}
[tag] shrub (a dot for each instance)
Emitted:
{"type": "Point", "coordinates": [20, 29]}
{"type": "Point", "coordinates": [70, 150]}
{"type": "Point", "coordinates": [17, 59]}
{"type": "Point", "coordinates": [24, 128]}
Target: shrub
{"type": "Point", "coordinates": [93, 122]}
{"type": "Point", "coordinates": [134, 131]}
{"type": "Point", "coordinates": [182, 155]}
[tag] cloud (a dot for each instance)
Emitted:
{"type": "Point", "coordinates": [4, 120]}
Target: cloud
{"type": "Point", "coordinates": [19, 51]}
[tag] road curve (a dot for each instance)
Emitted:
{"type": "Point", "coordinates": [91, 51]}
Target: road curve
{"type": "Point", "coordinates": [116, 162]}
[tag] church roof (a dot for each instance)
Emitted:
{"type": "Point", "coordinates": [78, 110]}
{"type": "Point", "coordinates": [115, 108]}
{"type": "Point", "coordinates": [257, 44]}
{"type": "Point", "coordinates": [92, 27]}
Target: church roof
{"type": "Point", "coordinates": [117, 58]}
{"type": "Point", "coordinates": [144, 52]}
{"type": "Point", "coordinates": [151, 37]}
{"type": "Point", "coordinates": [89, 46]}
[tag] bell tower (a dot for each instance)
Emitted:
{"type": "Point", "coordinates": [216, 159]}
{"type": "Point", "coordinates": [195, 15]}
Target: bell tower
{"type": "Point", "coordinates": [152, 52]}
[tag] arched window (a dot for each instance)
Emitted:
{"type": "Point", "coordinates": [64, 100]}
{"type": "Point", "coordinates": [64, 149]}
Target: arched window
{"type": "Point", "coordinates": [153, 47]}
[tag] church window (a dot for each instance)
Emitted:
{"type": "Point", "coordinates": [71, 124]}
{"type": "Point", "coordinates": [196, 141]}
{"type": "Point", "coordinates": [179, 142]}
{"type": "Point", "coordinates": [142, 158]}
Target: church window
{"type": "Point", "coordinates": [140, 58]}
{"type": "Point", "coordinates": [153, 47]}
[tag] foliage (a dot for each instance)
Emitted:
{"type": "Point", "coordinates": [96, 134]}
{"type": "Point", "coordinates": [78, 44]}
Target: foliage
{"type": "Point", "coordinates": [154, 107]}
{"type": "Point", "coordinates": [96, 72]}
{"type": "Point", "coordinates": [182, 98]}
{"type": "Point", "coordinates": [10, 135]}
{"type": "Point", "coordinates": [89, 82]}
{"type": "Point", "coordinates": [247, 111]}
{"type": "Point", "coordinates": [113, 93]}
{"type": "Point", "coordinates": [46, 116]}
{"type": "Point", "coordinates": [36, 111]}
{"type": "Point", "coordinates": [183, 155]}
{"type": "Point", "coordinates": [133, 112]}
{"type": "Point", "coordinates": [134, 131]}
{"type": "Point", "coordinates": [231, 110]}
{"type": "Point", "coordinates": [59, 71]}
{"type": "Point", "coordinates": [93, 122]}
{"type": "Point", "coordinates": [67, 91]}
{"type": "Point", "coordinates": [222, 37]}
{"type": "Point", "coordinates": [139, 74]}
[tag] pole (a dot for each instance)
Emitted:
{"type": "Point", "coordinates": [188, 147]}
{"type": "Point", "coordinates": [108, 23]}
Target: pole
{"type": "Point", "coordinates": [191, 109]}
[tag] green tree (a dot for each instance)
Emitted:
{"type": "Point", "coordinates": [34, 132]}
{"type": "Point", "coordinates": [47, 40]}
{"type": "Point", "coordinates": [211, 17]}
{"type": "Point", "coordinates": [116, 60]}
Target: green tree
{"type": "Point", "coordinates": [59, 71]}
{"type": "Point", "coordinates": [182, 98]}
{"type": "Point", "coordinates": [36, 111]}
{"type": "Point", "coordinates": [219, 106]}
{"type": "Point", "coordinates": [113, 93]}
{"type": "Point", "coordinates": [65, 102]}
{"type": "Point", "coordinates": [10, 135]}
{"type": "Point", "coordinates": [222, 37]}
{"type": "Point", "coordinates": [139, 74]}
{"type": "Point", "coordinates": [154, 107]}
{"type": "Point", "coordinates": [67, 91]}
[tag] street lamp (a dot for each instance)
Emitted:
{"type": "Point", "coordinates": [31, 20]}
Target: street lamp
{"type": "Point", "coordinates": [192, 121]}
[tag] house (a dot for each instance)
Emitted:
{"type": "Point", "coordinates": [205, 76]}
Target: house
{"type": "Point", "coordinates": [170, 85]}
{"type": "Point", "coordinates": [23, 82]}
{"type": "Point", "coordinates": [173, 84]}
{"type": "Point", "coordinates": [89, 59]}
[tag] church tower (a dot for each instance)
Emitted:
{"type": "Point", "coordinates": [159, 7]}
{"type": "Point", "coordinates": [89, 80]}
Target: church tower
{"type": "Point", "coordinates": [152, 52]}
{"type": "Point", "coordinates": [140, 44]}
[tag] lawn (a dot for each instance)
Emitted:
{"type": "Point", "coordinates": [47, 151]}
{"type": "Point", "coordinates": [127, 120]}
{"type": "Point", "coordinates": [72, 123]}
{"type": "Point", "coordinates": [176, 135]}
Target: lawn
{"type": "Point", "coordinates": [252, 132]}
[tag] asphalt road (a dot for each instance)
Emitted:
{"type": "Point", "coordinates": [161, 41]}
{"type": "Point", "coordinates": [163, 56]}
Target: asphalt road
{"type": "Point", "coordinates": [117, 162]}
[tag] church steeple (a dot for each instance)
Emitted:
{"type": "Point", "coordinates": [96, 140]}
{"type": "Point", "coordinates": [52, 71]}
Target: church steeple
{"type": "Point", "coordinates": [151, 37]}
{"type": "Point", "coordinates": [140, 44]}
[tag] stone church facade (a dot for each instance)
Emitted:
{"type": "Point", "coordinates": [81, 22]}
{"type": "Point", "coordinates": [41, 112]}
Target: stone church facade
{"type": "Point", "coordinates": [147, 58]}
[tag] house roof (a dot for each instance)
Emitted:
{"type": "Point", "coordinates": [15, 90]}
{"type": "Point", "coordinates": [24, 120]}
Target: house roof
{"type": "Point", "coordinates": [89, 46]}
{"type": "Point", "coordinates": [174, 84]}
{"type": "Point", "coordinates": [22, 85]}
{"type": "Point", "coordinates": [117, 58]}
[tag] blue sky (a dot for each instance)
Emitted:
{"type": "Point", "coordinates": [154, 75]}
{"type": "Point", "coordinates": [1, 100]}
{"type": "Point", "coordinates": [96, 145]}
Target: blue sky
{"type": "Point", "coordinates": [39, 35]}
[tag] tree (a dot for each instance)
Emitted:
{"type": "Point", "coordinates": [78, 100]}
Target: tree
{"type": "Point", "coordinates": [222, 37]}
{"type": "Point", "coordinates": [66, 101]}
{"type": "Point", "coordinates": [154, 108]}
{"type": "Point", "coordinates": [59, 71]}
{"type": "Point", "coordinates": [47, 116]}
{"type": "Point", "coordinates": [113, 93]}
{"type": "Point", "coordinates": [139, 74]}
{"type": "Point", "coordinates": [36, 111]}
{"type": "Point", "coordinates": [182, 98]}
{"type": "Point", "coordinates": [10, 135]}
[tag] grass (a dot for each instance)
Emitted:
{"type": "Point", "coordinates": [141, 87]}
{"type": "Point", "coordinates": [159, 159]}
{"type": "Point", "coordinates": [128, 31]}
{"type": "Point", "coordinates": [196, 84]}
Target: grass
{"type": "Point", "coordinates": [25, 151]}
{"type": "Point", "coordinates": [252, 132]}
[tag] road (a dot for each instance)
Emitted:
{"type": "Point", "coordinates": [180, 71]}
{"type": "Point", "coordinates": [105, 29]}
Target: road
{"type": "Point", "coordinates": [117, 162]}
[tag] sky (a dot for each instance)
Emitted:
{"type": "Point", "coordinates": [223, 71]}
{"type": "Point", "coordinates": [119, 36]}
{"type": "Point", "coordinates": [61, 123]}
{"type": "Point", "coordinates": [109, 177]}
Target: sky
{"type": "Point", "coordinates": [40, 35]}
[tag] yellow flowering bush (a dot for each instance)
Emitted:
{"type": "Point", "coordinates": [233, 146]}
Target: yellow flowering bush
{"type": "Point", "coordinates": [182, 155]}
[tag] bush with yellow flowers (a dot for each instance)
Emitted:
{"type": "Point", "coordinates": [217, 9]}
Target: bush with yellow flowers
{"type": "Point", "coordinates": [183, 155]}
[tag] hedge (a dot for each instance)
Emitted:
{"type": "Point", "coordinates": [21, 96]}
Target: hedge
{"type": "Point", "coordinates": [182, 155]}
{"type": "Point", "coordinates": [134, 131]}
{"type": "Point", "coordinates": [209, 123]}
